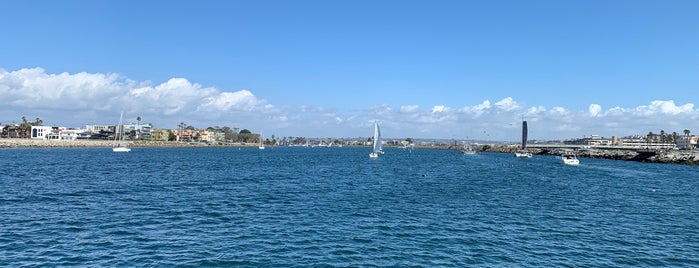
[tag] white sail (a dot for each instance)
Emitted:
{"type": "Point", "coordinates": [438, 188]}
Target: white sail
{"type": "Point", "coordinates": [261, 146]}
{"type": "Point", "coordinates": [378, 149]}
{"type": "Point", "coordinates": [119, 145]}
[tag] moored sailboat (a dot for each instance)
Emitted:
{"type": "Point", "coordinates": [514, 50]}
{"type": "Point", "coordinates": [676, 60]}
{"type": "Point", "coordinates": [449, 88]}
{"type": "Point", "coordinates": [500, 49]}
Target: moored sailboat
{"type": "Point", "coordinates": [119, 145]}
{"type": "Point", "coordinates": [261, 146]}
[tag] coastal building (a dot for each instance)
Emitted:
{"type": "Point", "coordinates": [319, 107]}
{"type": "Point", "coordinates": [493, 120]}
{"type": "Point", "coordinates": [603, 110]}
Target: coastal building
{"type": "Point", "coordinates": [41, 132]}
{"type": "Point", "coordinates": [593, 140]}
{"type": "Point", "coordinates": [139, 131]}
{"type": "Point", "coordinates": [160, 135]}
{"type": "Point", "coordinates": [55, 133]}
{"type": "Point", "coordinates": [94, 129]}
{"type": "Point", "coordinates": [687, 142]}
{"type": "Point", "coordinates": [644, 143]}
{"type": "Point", "coordinates": [13, 131]}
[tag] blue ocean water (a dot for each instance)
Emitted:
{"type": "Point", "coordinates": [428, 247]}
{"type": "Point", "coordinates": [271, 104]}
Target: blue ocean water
{"type": "Point", "coordinates": [296, 206]}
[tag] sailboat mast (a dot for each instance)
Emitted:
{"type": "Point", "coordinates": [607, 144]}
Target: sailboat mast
{"type": "Point", "coordinates": [524, 135]}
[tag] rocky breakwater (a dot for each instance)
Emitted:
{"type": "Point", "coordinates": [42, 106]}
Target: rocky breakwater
{"type": "Point", "coordinates": [29, 143]}
{"type": "Point", "coordinates": [676, 157]}
{"type": "Point", "coordinates": [670, 157]}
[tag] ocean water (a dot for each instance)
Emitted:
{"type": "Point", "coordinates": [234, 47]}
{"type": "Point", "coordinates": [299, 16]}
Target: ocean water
{"type": "Point", "coordinates": [335, 207]}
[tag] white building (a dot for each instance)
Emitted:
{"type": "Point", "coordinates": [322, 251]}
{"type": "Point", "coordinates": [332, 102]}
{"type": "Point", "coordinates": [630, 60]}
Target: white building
{"type": "Point", "coordinates": [55, 133]}
{"type": "Point", "coordinates": [687, 142]}
{"type": "Point", "coordinates": [41, 132]}
{"type": "Point", "coordinates": [97, 128]}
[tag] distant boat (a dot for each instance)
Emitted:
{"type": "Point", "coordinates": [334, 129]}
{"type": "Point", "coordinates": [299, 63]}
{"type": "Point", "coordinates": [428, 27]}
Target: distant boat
{"type": "Point", "coordinates": [467, 150]}
{"type": "Point", "coordinates": [570, 159]}
{"type": "Point", "coordinates": [522, 152]}
{"type": "Point", "coordinates": [119, 145]}
{"type": "Point", "coordinates": [261, 146]}
{"type": "Point", "coordinates": [378, 149]}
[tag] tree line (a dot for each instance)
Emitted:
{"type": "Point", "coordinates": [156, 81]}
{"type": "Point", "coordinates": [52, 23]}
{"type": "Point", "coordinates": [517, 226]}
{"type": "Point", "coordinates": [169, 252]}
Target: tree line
{"type": "Point", "coordinates": [664, 137]}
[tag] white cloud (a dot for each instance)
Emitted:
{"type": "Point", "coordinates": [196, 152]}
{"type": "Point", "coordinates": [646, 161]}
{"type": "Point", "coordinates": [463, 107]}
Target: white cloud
{"type": "Point", "coordinates": [594, 110]}
{"type": "Point", "coordinates": [34, 87]}
{"type": "Point", "coordinates": [507, 104]}
{"type": "Point", "coordinates": [99, 96]}
{"type": "Point", "coordinates": [439, 109]}
{"type": "Point", "coordinates": [242, 100]}
{"type": "Point", "coordinates": [409, 108]}
{"type": "Point", "coordinates": [93, 98]}
{"type": "Point", "coordinates": [665, 107]}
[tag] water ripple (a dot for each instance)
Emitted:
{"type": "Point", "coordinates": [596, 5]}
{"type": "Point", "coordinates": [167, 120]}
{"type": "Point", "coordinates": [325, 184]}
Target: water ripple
{"type": "Point", "coordinates": [334, 207]}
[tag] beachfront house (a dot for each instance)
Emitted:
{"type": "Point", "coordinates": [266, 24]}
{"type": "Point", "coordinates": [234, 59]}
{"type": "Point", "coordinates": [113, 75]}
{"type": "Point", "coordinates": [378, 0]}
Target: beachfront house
{"type": "Point", "coordinates": [687, 142]}
{"type": "Point", "coordinates": [55, 133]}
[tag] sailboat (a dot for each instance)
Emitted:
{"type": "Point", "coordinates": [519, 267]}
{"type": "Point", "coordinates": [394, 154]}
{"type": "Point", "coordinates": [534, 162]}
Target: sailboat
{"type": "Point", "coordinates": [261, 146]}
{"type": "Point", "coordinates": [522, 152]}
{"type": "Point", "coordinates": [378, 149]}
{"type": "Point", "coordinates": [119, 145]}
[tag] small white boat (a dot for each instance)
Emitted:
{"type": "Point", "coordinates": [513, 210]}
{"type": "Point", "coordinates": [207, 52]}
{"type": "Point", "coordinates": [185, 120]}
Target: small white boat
{"type": "Point", "coordinates": [378, 149]}
{"type": "Point", "coordinates": [570, 159]}
{"type": "Point", "coordinates": [467, 150]}
{"type": "Point", "coordinates": [523, 154]}
{"type": "Point", "coordinates": [121, 149]}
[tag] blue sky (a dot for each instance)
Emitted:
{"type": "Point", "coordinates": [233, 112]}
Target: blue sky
{"type": "Point", "coordinates": [424, 69]}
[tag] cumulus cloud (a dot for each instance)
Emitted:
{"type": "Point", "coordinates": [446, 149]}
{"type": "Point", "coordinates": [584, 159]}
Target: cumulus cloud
{"type": "Point", "coordinates": [83, 98]}
{"type": "Point", "coordinates": [594, 110]}
{"type": "Point", "coordinates": [34, 87]}
{"type": "Point", "coordinates": [242, 100]}
{"type": "Point", "coordinates": [507, 104]}
{"type": "Point", "coordinates": [439, 109]}
{"type": "Point", "coordinates": [106, 94]}
{"type": "Point", "coordinates": [409, 108]}
{"type": "Point", "coordinates": [665, 107]}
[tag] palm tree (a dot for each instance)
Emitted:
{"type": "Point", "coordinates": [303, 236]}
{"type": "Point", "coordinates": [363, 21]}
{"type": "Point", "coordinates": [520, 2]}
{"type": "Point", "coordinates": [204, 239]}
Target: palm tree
{"type": "Point", "coordinates": [181, 126]}
{"type": "Point", "coordinates": [138, 128]}
{"type": "Point", "coordinates": [675, 137]}
{"type": "Point", "coordinates": [663, 137]}
{"type": "Point", "coordinates": [24, 128]}
{"type": "Point", "coordinates": [649, 137]}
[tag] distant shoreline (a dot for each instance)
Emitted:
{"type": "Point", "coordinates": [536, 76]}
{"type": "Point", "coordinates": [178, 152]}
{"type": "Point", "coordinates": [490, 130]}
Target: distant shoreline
{"type": "Point", "coordinates": [670, 157]}
{"type": "Point", "coordinates": [29, 143]}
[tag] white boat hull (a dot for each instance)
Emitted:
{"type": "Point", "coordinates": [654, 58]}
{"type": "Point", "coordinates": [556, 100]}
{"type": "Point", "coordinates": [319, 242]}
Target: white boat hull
{"type": "Point", "coordinates": [121, 149]}
{"type": "Point", "coordinates": [523, 154]}
{"type": "Point", "coordinates": [570, 160]}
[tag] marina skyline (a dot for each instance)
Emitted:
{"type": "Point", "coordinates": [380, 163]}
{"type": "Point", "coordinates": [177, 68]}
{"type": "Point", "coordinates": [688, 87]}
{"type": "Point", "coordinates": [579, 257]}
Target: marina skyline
{"type": "Point", "coordinates": [447, 70]}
